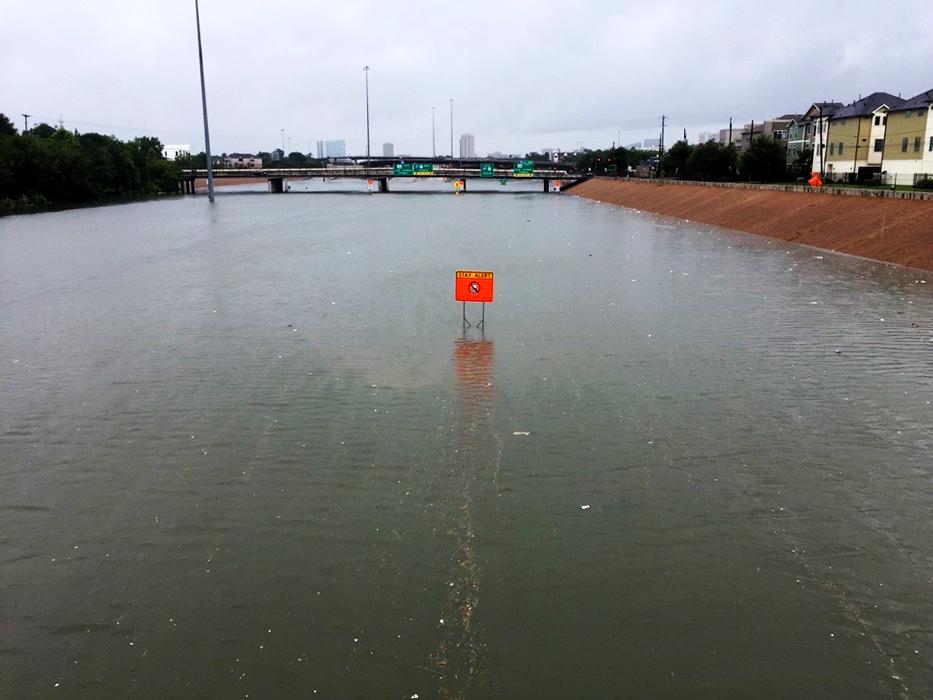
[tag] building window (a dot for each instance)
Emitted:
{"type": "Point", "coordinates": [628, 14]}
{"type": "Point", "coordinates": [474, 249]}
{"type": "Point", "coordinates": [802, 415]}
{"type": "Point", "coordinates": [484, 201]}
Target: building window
{"type": "Point", "coordinates": [921, 112]}
{"type": "Point", "coordinates": [885, 120]}
{"type": "Point", "coordinates": [840, 148]}
{"type": "Point", "coordinates": [904, 145]}
{"type": "Point", "coordinates": [931, 144]}
{"type": "Point", "coordinates": [879, 145]}
{"type": "Point", "coordinates": [832, 149]}
{"type": "Point", "coordinates": [877, 120]}
{"type": "Point", "coordinates": [917, 141]}
{"type": "Point", "coordinates": [908, 114]}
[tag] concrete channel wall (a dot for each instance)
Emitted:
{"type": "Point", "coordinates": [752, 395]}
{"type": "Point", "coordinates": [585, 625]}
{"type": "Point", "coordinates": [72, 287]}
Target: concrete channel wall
{"type": "Point", "coordinates": [891, 229]}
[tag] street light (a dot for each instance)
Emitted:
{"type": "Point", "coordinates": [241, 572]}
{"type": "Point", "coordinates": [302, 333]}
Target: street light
{"type": "Point", "coordinates": [207, 132]}
{"type": "Point", "coordinates": [451, 128]}
{"type": "Point", "coordinates": [366, 72]}
{"type": "Point", "coordinates": [433, 142]}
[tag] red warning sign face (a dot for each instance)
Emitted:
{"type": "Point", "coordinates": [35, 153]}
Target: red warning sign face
{"type": "Point", "coordinates": [473, 285]}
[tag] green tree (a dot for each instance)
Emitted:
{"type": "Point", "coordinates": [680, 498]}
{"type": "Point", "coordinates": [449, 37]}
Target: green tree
{"type": "Point", "coordinates": [711, 162]}
{"type": "Point", "coordinates": [674, 163]}
{"type": "Point", "coordinates": [6, 126]}
{"type": "Point", "coordinates": [41, 131]}
{"type": "Point", "coordinates": [803, 164]}
{"type": "Point", "coordinates": [765, 160]}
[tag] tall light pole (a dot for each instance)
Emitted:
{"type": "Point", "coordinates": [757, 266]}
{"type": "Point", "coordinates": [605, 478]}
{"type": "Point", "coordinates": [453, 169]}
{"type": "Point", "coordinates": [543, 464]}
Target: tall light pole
{"type": "Point", "coordinates": [366, 72]}
{"type": "Point", "coordinates": [433, 141]}
{"type": "Point", "coordinates": [207, 132]}
{"type": "Point", "coordinates": [451, 128]}
{"type": "Point", "coordinates": [283, 142]}
{"type": "Point", "coordinates": [26, 120]}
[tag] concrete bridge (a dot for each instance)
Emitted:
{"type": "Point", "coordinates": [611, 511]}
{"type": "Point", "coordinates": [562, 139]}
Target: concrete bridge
{"type": "Point", "coordinates": [382, 172]}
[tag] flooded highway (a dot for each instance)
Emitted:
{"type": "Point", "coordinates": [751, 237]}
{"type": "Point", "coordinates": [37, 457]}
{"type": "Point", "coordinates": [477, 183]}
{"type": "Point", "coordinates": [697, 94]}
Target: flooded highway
{"type": "Point", "coordinates": [249, 451]}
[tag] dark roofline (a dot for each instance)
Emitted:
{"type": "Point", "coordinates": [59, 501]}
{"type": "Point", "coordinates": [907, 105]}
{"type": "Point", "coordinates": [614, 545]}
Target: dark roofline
{"type": "Point", "coordinates": [916, 102]}
{"type": "Point", "coordinates": [864, 106]}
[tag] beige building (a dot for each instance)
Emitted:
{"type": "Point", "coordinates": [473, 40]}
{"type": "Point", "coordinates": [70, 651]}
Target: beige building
{"type": "Point", "coordinates": [242, 160]}
{"type": "Point", "coordinates": [907, 145]}
{"type": "Point", "coordinates": [853, 139]}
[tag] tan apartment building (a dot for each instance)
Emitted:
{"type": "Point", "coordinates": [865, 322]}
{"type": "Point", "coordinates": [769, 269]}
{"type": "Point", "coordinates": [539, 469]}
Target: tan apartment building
{"type": "Point", "coordinates": [908, 142]}
{"type": "Point", "coordinates": [853, 139]}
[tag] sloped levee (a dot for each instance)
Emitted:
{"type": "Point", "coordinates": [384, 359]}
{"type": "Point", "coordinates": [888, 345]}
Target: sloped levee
{"type": "Point", "coordinates": [889, 230]}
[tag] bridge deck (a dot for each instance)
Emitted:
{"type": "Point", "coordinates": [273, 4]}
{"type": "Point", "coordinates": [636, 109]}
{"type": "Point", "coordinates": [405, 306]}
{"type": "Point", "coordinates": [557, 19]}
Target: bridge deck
{"type": "Point", "coordinates": [380, 172]}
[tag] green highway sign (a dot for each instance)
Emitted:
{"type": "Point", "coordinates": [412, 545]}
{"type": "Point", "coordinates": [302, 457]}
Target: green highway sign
{"type": "Point", "coordinates": [423, 168]}
{"type": "Point", "coordinates": [486, 170]}
{"type": "Point", "coordinates": [403, 169]}
{"type": "Point", "coordinates": [523, 168]}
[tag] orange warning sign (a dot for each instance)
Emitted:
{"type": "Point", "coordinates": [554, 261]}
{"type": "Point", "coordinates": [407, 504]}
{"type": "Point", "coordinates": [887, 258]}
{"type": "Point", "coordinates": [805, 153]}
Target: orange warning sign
{"type": "Point", "coordinates": [815, 181]}
{"type": "Point", "coordinates": [473, 285]}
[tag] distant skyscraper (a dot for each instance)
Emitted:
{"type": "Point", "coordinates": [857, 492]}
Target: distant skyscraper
{"type": "Point", "coordinates": [388, 150]}
{"type": "Point", "coordinates": [467, 147]}
{"type": "Point", "coordinates": [652, 143]}
{"type": "Point", "coordinates": [320, 149]}
{"type": "Point", "coordinates": [335, 149]}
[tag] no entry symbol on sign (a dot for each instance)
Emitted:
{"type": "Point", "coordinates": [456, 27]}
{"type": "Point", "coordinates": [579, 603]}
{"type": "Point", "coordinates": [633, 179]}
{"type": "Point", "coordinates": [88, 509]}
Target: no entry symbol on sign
{"type": "Point", "coordinates": [473, 285]}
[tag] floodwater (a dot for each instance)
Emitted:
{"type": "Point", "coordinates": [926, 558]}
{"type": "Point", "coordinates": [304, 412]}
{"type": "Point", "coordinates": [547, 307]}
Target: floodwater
{"type": "Point", "coordinates": [248, 450]}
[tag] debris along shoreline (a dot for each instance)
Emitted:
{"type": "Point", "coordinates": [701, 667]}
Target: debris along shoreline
{"type": "Point", "coordinates": [888, 230]}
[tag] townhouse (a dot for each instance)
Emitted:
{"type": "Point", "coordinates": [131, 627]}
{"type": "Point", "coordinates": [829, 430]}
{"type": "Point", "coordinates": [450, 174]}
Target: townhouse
{"type": "Point", "coordinates": [907, 154]}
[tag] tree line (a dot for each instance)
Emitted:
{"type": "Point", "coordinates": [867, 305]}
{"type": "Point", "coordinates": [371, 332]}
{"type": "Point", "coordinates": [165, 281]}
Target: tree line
{"type": "Point", "coordinates": [765, 160]}
{"type": "Point", "coordinates": [46, 167]}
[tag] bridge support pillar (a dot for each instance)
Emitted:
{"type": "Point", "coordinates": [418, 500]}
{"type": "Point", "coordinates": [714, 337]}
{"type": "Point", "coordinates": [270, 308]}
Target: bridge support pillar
{"type": "Point", "coordinates": [277, 185]}
{"type": "Point", "coordinates": [383, 184]}
{"type": "Point", "coordinates": [547, 185]}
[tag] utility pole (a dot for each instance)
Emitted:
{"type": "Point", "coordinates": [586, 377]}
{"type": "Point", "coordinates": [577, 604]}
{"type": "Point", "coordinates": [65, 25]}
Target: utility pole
{"type": "Point", "coordinates": [366, 71]}
{"type": "Point", "coordinates": [283, 142]}
{"type": "Point", "coordinates": [451, 128]}
{"type": "Point", "coordinates": [731, 147]}
{"type": "Point", "coordinates": [26, 120]}
{"type": "Point", "coordinates": [207, 133]}
{"type": "Point", "coordinates": [433, 140]}
{"type": "Point", "coordinates": [661, 145]}
{"type": "Point", "coordinates": [822, 162]}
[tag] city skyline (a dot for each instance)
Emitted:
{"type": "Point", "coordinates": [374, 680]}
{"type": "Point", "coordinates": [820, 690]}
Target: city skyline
{"type": "Point", "coordinates": [141, 62]}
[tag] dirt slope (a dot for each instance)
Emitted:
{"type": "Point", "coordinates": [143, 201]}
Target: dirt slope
{"type": "Point", "coordinates": [892, 230]}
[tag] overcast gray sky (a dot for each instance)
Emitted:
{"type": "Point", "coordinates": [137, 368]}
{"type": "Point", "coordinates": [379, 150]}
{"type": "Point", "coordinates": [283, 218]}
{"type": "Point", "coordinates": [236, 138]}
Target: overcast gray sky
{"type": "Point", "coordinates": [523, 75]}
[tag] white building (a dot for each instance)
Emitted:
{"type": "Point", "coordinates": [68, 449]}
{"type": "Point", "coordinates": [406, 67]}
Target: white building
{"type": "Point", "coordinates": [467, 146]}
{"type": "Point", "coordinates": [176, 151]}
{"type": "Point", "coordinates": [332, 149]}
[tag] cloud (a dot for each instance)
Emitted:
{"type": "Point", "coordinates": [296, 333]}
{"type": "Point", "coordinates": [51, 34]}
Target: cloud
{"type": "Point", "coordinates": [518, 71]}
